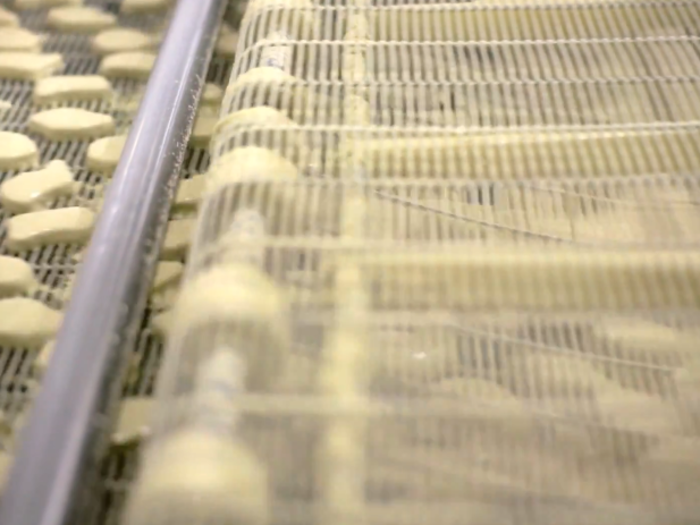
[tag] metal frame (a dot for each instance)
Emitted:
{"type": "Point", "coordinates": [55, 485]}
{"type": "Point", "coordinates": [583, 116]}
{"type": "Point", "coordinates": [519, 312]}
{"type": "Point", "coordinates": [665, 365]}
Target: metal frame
{"type": "Point", "coordinates": [64, 437]}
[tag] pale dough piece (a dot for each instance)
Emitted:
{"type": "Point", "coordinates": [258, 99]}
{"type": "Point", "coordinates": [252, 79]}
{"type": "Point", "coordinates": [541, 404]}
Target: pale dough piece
{"type": "Point", "coordinates": [122, 40]}
{"type": "Point", "coordinates": [676, 462]}
{"type": "Point", "coordinates": [136, 65]}
{"type": "Point", "coordinates": [644, 341]}
{"type": "Point", "coordinates": [291, 142]}
{"type": "Point", "coordinates": [212, 94]}
{"type": "Point", "coordinates": [71, 123]}
{"type": "Point", "coordinates": [190, 192]}
{"type": "Point", "coordinates": [17, 151]}
{"type": "Point", "coordinates": [226, 44]}
{"type": "Point", "coordinates": [29, 66]}
{"type": "Point", "coordinates": [33, 190]}
{"type": "Point", "coordinates": [19, 39]}
{"type": "Point", "coordinates": [38, 4]}
{"type": "Point", "coordinates": [631, 411]}
{"type": "Point", "coordinates": [41, 363]}
{"type": "Point", "coordinates": [60, 226]}
{"type": "Point", "coordinates": [80, 19]}
{"type": "Point", "coordinates": [177, 239]}
{"type": "Point", "coordinates": [5, 106]}
{"type": "Point", "coordinates": [27, 323]}
{"type": "Point", "coordinates": [8, 18]}
{"type": "Point", "coordinates": [162, 323]}
{"type": "Point", "coordinates": [167, 273]}
{"type": "Point", "coordinates": [144, 6]}
{"type": "Point", "coordinates": [103, 154]}
{"type": "Point", "coordinates": [202, 130]}
{"type": "Point", "coordinates": [134, 422]}
{"type": "Point", "coordinates": [72, 87]}
{"type": "Point", "coordinates": [230, 483]}
{"type": "Point", "coordinates": [5, 466]}
{"type": "Point", "coordinates": [16, 276]}
{"type": "Point", "coordinates": [249, 164]}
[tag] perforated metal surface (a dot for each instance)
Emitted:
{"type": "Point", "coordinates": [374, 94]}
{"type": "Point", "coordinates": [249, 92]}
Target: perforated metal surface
{"type": "Point", "coordinates": [466, 286]}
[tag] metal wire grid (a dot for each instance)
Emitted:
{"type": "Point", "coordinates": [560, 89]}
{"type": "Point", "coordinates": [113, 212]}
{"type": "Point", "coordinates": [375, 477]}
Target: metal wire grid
{"type": "Point", "coordinates": [55, 265]}
{"type": "Point", "coordinates": [481, 218]}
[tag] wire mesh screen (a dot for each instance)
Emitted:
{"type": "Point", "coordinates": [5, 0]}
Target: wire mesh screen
{"type": "Point", "coordinates": [445, 269]}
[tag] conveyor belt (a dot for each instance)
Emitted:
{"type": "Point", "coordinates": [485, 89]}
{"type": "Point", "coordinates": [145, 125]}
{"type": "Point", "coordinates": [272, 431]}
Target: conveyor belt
{"type": "Point", "coordinates": [55, 265]}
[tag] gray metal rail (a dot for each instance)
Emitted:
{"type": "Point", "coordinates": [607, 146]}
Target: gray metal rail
{"type": "Point", "coordinates": [64, 438]}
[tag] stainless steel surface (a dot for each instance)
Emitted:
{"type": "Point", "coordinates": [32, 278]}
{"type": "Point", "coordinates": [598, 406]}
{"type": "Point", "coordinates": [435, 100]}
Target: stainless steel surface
{"type": "Point", "coordinates": [61, 441]}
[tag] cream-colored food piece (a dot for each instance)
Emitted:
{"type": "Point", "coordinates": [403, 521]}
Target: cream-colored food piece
{"type": "Point", "coordinates": [16, 276]}
{"type": "Point", "coordinates": [202, 130]}
{"type": "Point", "coordinates": [226, 44]}
{"type": "Point", "coordinates": [8, 18]}
{"type": "Point", "coordinates": [71, 123]}
{"type": "Point", "coordinates": [71, 87]}
{"type": "Point", "coordinates": [27, 323]}
{"type": "Point", "coordinates": [38, 4]}
{"type": "Point", "coordinates": [122, 40]}
{"type": "Point", "coordinates": [190, 192]}
{"type": "Point", "coordinates": [238, 295]}
{"type": "Point", "coordinates": [41, 363]}
{"type": "Point", "coordinates": [162, 323]}
{"type": "Point", "coordinates": [212, 94]}
{"type": "Point", "coordinates": [291, 142]}
{"type": "Point", "coordinates": [33, 190]}
{"type": "Point", "coordinates": [675, 461]}
{"type": "Point", "coordinates": [644, 341]}
{"type": "Point", "coordinates": [167, 273]}
{"type": "Point", "coordinates": [136, 65]}
{"type": "Point", "coordinates": [103, 154]}
{"type": "Point", "coordinates": [29, 66]}
{"type": "Point", "coordinates": [177, 239]}
{"type": "Point", "coordinates": [249, 164]}
{"type": "Point", "coordinates": [134, 422]}
{"type": "Point", "coordinates": [230, 483]}
{"type": "Point", "coordinates": [79, 19]}
{"type": "Point", "coordinates": [19, 39]}
{"type": "Point", "coordinates": [17, 151]}
{"type": "Point", "coordinates": [144, 6]}
{"type": "Point", "coordinates": [631, 411]}
{"type": "Point", "coordinates": [60, 226]}
{"type": "Point", "coordinates": [5, 466]}
{"type": "Point", "coordinates": [5, 106]}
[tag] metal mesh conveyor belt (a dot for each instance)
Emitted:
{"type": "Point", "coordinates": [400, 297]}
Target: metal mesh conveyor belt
{"type": "Point", "coordinates": [55, 265]}
{"type": "Point", "coordinates": [446, 270]}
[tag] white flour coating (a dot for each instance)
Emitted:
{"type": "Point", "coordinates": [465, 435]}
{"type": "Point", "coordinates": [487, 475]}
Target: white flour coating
{"type": "Point", "coordinates": [27, 323]}
{"type": "Point", "coordinates": [19, 39]}
{"type": "Point", "coordinates": [63, 88]}
{"type": "Point", "coordinates": [122, 40]}
{"type": "Point", "coordinates": [42, 228]}
{"type": "Point", "coordinates": [16, 276]}
{"type": "Point", "coordinates": [34, 190]}
{"type": "Point", "coordinates": [80, 19]}
{"type": "Point", "coordinates": [103, 154]}
{"type": "Point", "coordinates": [17, 151]}
{"type": "Point", "coordinates": [136, 65]}
{"type": "Point", "coordinates": [71, 123]}
{"type": "Point", "coordinates": [16, 65]}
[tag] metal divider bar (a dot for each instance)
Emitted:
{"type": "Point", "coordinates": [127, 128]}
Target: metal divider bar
{"type": "Point", "coordinates": [64, 437]}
